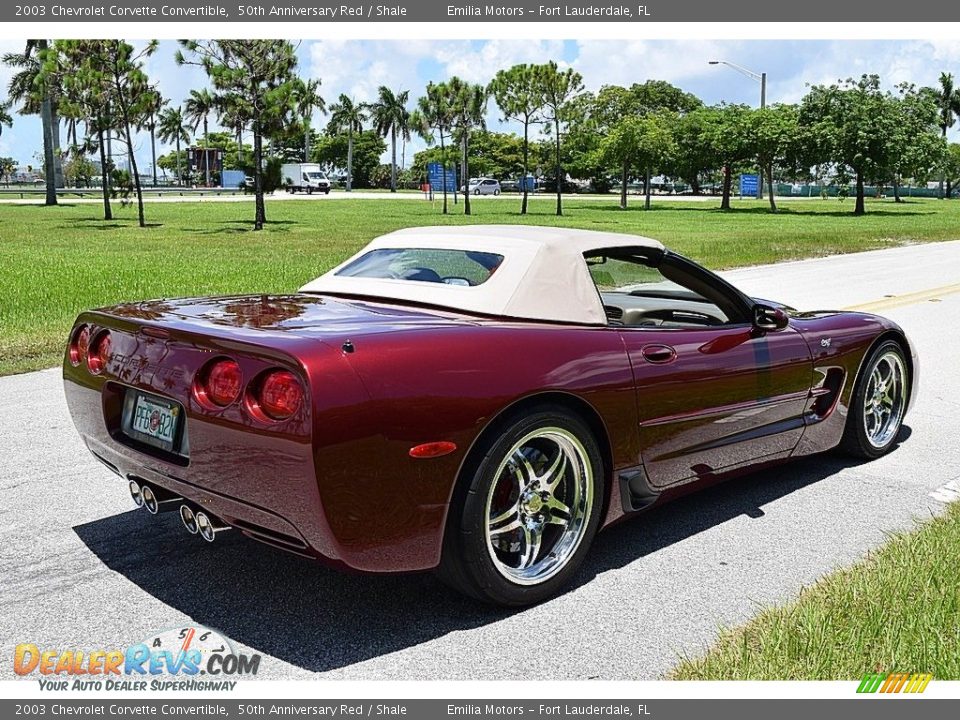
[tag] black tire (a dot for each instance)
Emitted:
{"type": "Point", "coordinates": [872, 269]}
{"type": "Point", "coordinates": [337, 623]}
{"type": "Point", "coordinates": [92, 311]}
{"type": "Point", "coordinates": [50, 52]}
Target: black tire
{"type": "Point", "coordinates": [496, 192]}
{"type": "Point", "coordinates": [467, 563]}
{"type": "Point", "coordinates": [856, 439]}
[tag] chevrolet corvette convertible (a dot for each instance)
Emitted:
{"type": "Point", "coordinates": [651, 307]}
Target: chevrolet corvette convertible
{"type": "Point", "coordinates": [479, 401]}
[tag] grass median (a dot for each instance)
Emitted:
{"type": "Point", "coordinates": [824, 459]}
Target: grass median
{"type": "Point", "coordinates": [57, 261]}
{"type": "Point", "coordinates": [898, 610]}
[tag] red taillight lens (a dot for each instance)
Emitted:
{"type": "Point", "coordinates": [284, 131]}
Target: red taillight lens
{"type": "Point", "coordinates": [279, 395]}
{"type": "Point", "coordinates": [79, 345]}
{"type": "Point", "coordinates": [98, 353]}
{"type": "Point", "coordinates": [220, 383]}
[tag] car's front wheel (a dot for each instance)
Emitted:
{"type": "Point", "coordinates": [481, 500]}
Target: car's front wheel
{"type": "Point", "coordinates": [878, 404]}
{"type": "Point", "coordinates": [522, 523]}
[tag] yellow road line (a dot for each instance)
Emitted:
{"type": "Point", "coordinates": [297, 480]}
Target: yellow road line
{"type": "Point", "coordinates": [906, 299]}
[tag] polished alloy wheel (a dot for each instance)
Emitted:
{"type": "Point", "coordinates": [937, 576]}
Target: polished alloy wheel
{"type": "Point", "coordinates": [539, 505]}
{"type": "Point", "coordinates": [885, 399]}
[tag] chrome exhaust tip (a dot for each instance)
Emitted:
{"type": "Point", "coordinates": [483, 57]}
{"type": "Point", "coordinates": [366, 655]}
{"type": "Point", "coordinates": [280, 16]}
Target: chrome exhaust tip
{"type": "Point", "coordinates": [156, 500]}
{"type": "Point", "coordinates": [209, 526]}
{"type": "Point", "coordinates": [189, 519]}
{"type": "Point", "coordinates": [135, 493]}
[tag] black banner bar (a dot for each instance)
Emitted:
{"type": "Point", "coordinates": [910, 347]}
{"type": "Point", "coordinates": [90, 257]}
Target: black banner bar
{"type": "Point", "coordinates": [872, 708]}
{"type": "Point", "coordinates": [323, 11]}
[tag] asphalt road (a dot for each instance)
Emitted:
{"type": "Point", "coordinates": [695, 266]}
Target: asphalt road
{"type": "Point", "coordinates": [82, 569]}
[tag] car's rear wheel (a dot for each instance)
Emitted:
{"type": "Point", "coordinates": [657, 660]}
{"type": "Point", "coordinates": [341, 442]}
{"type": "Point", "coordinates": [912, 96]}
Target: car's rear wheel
{"type": "Point", "coordinates": [521, 525]}
{"type": "Point", "coordinates": [878, 404]}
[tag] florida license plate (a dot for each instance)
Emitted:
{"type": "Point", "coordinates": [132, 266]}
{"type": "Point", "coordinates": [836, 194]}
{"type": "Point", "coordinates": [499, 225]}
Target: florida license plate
{"type": "Point", "coordinates": [152, 420]}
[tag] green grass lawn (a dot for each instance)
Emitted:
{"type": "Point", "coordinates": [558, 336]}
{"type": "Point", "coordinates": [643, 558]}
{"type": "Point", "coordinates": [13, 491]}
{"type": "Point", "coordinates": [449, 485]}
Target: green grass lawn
{"type": "Point", "coordinates": [896, 611]}
{"type": "Point", "coordinates": [57, 261]}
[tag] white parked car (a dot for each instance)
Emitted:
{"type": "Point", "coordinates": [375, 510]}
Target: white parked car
{"type": "Point", "coordinates": [482, 186]}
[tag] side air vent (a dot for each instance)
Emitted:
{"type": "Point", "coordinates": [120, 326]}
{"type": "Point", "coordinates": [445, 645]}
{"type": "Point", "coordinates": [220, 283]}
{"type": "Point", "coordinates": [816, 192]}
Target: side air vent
{"type": "Point", "coordinates": [613, 312]}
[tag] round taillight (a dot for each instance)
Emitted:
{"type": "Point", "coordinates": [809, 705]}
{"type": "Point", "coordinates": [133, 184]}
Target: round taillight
{"type": "Point", "coordinates": [79, 345]}
{"type": "Point", "coordinates": [279, 395]}
{"type": "Point", "coordinates": [220, 383]}
{"type": "Point", "coordinates": [98, 353]}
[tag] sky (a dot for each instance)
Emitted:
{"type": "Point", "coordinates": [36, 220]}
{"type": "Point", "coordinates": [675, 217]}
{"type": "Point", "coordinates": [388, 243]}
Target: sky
{"type": "Point", "coordinates": [358, 68]}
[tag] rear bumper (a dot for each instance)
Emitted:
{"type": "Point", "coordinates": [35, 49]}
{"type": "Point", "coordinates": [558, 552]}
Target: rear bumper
{"type": "Point", "coordinates": [268, 487]}
{"type": "Point", "coordinates": [257, 523]}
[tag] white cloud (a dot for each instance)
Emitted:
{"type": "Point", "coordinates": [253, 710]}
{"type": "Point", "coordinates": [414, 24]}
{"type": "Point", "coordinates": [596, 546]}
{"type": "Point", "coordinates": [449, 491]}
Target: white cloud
{"type": "Point", "coordinates": [607, 62]}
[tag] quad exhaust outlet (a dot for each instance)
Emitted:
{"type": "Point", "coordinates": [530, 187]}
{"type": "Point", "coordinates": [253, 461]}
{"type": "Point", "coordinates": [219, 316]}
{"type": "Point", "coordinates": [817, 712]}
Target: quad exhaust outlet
{"type": "Point", "coordinates": [198, 522]}
{"type": "Point", "coordinates": [156, 500]}
{"type": "Point", "coordinates": [153, 500]}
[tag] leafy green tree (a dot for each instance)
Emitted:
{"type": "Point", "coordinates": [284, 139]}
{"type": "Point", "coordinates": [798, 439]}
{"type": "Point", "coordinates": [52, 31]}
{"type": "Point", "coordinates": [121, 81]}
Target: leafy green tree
{"type": "Point", "coordinates": [468, 105]}
{"type": "Point", "coordinates": [638, 142]}
{"type": "Point", "coordinates": [79, 171]}
{"type": "Point", "coordinates": [173, 129]}
{"type": "Point", "coordinates": [918, 147]}
{"type": "Point", "coordinates": [390, 116]}
{"type": "Point", "coordinates": [558, 88]}
{"type": "Point", "coordinates": [347, 118]}
{"type": "Point", "coordinates": [850, 125]}
{"type": "Point", "coordinates": [952, 167]}
{"type": "Point", "coordinates": [257, 78]}
{"type": "Point", "coordinates": [434, 117]}
{"type": "Point", "coordinates": [726, 133]}
{"type": "Point", "coordinates": [517, 93]}
{"type": "Point", "coordinates": [8, 166]}
{"type": "Point", "coordinates": [775, 134]}
{"type": "Point", "coordinates": [308, 100]}
{"type": "Point", "coordinates": [200, 104]}
{"type": "Point", "coordinates": [361, 151]}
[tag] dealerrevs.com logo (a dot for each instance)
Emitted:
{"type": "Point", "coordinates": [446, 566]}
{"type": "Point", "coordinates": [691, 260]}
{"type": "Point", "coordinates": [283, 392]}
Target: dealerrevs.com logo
{"type": "Point", "coordinates": [189, 658]}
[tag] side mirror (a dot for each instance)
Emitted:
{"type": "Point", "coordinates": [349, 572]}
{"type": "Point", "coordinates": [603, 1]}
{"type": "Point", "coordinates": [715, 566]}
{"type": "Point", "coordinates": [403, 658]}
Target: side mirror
{"type": "Point", "coordinates": [769, 319]}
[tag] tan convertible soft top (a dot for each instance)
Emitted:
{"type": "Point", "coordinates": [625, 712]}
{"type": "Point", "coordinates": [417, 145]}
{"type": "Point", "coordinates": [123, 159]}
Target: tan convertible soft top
{"type": "Point", "coordinates": [543, 275]}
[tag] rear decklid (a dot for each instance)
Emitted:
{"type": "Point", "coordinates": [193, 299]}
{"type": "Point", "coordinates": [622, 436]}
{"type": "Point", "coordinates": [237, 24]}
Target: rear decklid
{"type": "Point", "coordinates": [251, 317]}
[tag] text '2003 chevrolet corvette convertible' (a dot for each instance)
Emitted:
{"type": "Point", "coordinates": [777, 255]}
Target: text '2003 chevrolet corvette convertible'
{"type": "Point", "coordinates": [478, 401]}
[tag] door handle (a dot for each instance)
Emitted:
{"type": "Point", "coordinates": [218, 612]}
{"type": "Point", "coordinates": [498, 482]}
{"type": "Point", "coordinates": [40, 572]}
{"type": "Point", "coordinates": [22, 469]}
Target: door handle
{"type": "Point", "coordinates": [658, 354]}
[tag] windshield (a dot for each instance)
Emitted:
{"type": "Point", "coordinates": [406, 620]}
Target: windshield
{"type": "Point", "coordinates": [316, 176]}
{"type": "Point", "coordinates": [452, 267]}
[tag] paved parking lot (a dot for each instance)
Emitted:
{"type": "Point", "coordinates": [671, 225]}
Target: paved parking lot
{"type": "Point", "coordinates": [82, 569]}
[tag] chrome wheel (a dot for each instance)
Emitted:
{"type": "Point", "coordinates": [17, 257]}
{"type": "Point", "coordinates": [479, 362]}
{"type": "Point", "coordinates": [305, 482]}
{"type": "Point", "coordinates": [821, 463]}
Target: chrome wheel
{"type": "Point", "coordinates": [538, 506]}
{"type": "Point", "coordinates": [884, 401]}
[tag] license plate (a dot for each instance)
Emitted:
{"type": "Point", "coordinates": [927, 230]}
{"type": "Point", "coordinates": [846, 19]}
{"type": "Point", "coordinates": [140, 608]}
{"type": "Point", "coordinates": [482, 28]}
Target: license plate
{"type": "Point", "coordinates": [152, 420]}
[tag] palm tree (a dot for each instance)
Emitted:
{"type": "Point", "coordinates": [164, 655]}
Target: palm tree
{"type": "Point", "coordinates": [197, 110]}
{"type": "Point", "coordinates": [949, 100]}
{"type": "Point", "coordinates": [232, 113]}
{"type": "Point", "coordinates": [307, 99]}
{"type": "Point", "coordinates": [518, 95]}
{"type": "Point", "coordinates": [38, 98]}
{"type": "Point", "coordinates": [5, 118]}
{"type": "Point", "coordinates": [468, 105]}
{"type": "Point", "coordinates": [173, 129]}
{"type": "Point", "coordinates": [155, 106]}
{"type": "Point", "coordinates": [390, 116]}
{"type": "Point", "coordinates": [348, 117]}
{"type": "Point", "coordinates": [434, 113]}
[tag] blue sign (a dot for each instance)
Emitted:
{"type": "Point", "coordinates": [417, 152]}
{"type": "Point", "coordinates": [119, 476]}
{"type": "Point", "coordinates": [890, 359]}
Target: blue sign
{"type": "Point", "coordinates": [748, 184]}
{"type": "Point", "coordinates": [528, 183]}
{"type": "Point", "coordinates": [438, 177]}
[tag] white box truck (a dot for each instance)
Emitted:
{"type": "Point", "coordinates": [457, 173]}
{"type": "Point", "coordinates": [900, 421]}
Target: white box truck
{"type": "Point", "coordinates": [305, 177]}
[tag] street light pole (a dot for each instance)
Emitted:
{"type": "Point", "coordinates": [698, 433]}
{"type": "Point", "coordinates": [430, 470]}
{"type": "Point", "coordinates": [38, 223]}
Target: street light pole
{"type": "Point", "coordinates": [762, 79]}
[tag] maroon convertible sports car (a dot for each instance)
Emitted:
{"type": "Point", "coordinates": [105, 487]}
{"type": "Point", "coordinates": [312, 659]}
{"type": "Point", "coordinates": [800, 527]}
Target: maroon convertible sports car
{"type": "Point", "coordinates": [477, 400]}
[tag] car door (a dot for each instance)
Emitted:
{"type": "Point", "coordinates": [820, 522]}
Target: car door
{"type": "Point", "coordinates": [714, 390]}
{"type": "Point", "coordinates": [716, 398]}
